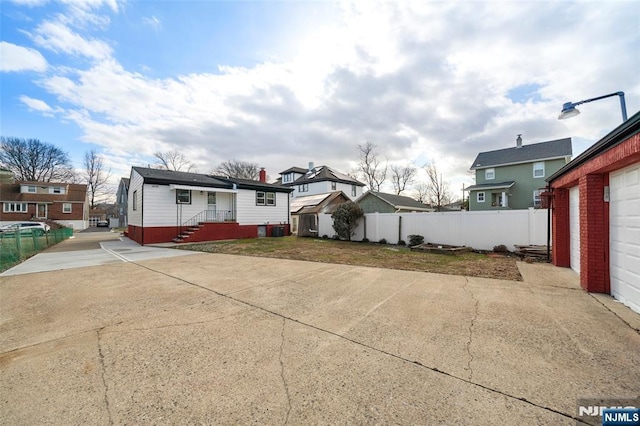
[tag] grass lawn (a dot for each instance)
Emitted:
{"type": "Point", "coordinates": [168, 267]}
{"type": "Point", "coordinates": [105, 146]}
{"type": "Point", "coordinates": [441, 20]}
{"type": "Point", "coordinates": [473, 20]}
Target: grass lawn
{"type": "Point", "coordinates": [366, 254]}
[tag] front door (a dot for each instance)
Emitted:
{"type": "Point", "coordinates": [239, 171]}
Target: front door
{"type": "Point", "coordinates": [42, 211]}
{"type": "Point", "coordinates": [211, 206]}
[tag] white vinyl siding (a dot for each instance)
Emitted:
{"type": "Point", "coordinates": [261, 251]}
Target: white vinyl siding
{"type": "Point", "coordinates": [250, 214]}
{"type": "Point", "coordinates": [135, 190]}
{"type": "Point", "coordinates": [323, 187]}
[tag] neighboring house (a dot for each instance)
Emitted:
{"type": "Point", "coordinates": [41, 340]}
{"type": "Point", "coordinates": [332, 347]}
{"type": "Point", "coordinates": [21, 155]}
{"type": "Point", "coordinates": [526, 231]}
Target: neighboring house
{"type": "Point", "coordinates": [121, 202]}
{"type": "Point", "coordinates": [380, 202]}
{"type": "Point", "coordinates": [513, 178]}
{"type": "Point", "coordinates": [6, 175]}
{"type": "Point", "coordinates": [166, 205]}
{"type": "Point", "coordinates": [65, 203]}
{"type": "Point", "coordinates": [305, 211]}
{"type": "Point", "coordinates": [320, 180]}
{"type": "Point", "coordinates": [596, 215]}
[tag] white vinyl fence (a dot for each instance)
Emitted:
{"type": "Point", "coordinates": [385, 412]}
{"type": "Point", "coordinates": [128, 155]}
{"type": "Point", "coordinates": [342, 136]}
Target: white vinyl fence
{"type": "Point", "coordinates": [481, 230]}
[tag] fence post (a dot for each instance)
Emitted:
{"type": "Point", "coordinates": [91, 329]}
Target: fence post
{"type": "Point", "coordinates": [399, 228]}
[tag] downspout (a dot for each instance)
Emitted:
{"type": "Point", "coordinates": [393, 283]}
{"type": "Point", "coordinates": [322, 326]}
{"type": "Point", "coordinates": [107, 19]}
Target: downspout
{"type": "Point", "coordinates": [142, 213]}
{"type": "Point", "coordinates": [549, 224]}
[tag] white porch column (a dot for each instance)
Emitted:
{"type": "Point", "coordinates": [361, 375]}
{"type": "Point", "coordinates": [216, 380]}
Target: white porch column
{"type": "Point", "coordinates": [505, 200]}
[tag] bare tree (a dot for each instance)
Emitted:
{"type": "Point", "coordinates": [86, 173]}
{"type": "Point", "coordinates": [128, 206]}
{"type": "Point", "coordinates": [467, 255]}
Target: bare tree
{"type": "Point", "coordinates": [96, 178]}
{"type": "Point", "coordinates": [238, 169]}
{"type": "Point", "coordinates": [401, 177]}
{"type": "Point", "coordinates": [438, 193]}
{"type": "Point", "coordinates": [370, 168]}
{"type": "Point", "coordinates": [32, 160]}
{"type": "Point", "coordinates": [174, 160]}
{"type": "Point", "coordinates": [421, 193]}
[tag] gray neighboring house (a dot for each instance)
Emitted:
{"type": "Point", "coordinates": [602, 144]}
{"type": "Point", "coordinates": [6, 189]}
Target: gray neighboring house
{"type": "Point", "coordinates": [513, 178]}
{"type": "Point", "coordinates": [121, 202]}
{"type": "Point", "coordinates": [380, 202]}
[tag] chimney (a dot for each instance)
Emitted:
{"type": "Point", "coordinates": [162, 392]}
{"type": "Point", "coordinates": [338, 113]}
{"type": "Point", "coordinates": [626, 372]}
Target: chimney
{"type": "Point", "coordinates": [519, 141]}
{"type": "Point", "coordinates": [263, 175]}
{"type": "Point", "coordinates": [311, 166]}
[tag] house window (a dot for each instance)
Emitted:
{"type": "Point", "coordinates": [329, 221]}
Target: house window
{"type": "Point", "coordinates": [287, 178]}
{"type": "Point", "coordinates": [183, 196]}
{"type": "Point", "coordinates": [271, 198]}
{"type": "Point", "coordinates": [135, 200]}
{"type": "Point", "coordinates": [353, 190]}
{"type": "Point", "coordinates": [265, 198]}
{"type": "Point", "coordinates": [14, 207]}
{"type": "Point", "coordinates": [303, 188]}
{"type": "Point", "coordinates": [537, 202]}
{"type": "Point", "coordinates": [538, 169]}
{"type": "Point", "coordinates": [480, 197]}
{"type": "Point", "coordinates": [31, 189]}
{"type": "Point", "coordinates": [490, 174]}
{"type": "Point", "coordinates": [66, 207]}
{"type": "Point", "coordinates": [56, 190]}
{"type": "Point", "coordinates": [333, 186]}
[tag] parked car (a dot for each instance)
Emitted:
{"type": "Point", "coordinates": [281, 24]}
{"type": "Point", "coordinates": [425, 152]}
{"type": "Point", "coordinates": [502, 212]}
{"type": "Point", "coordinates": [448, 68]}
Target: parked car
{"type": "Point", "coordinates": [36, 228]}
{"type": "Point", "coordinates": [102, 224]}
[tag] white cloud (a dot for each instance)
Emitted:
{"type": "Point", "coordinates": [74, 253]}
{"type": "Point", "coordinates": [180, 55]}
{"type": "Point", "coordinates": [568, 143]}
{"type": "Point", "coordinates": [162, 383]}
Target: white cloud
{"type": "Point", "coordinates": [424, 81]}
{"type": "Point", "coordinates": [153, 22]}
{"type": "Point", "coordinates": [39, 106]}
{"type": "Point", "coordinates": [59, 38]}
{"type": "Point", "coordinates": [20, 58]}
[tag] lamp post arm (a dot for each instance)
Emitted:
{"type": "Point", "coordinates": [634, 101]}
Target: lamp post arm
{"type": "Point", "coordinates": [623, 105]}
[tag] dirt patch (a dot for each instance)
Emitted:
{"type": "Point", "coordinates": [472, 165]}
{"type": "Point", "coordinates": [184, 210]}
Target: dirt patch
{"type": "Point", "coordinates": [367, 254]}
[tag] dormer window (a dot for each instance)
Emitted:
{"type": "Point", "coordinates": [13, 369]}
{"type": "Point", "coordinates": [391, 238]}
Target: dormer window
{"type": "Point", "coordinates": [56, 190]}
{"type": "Point", "coordinates": [31, 189]}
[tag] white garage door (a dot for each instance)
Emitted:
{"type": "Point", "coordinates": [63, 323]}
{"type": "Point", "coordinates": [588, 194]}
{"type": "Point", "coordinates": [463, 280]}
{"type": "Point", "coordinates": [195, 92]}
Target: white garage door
{"type": "Point", "coordinates": [574, 228]}
{"type": "Point", "coordinates": [624, 235]}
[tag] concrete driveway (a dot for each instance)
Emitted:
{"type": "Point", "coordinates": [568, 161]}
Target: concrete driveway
{"type": "Point", "coordinates": [220, 339]}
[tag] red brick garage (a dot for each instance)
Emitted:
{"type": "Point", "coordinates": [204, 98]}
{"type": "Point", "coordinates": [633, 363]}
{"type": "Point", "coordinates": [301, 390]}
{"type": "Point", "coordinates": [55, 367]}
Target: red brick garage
{"type": "Point", "coordinates": [596, 215]}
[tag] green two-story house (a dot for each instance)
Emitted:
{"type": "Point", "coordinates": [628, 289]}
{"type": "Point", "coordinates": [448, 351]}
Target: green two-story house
{"type": "Point", "coordinates": [513, 178]}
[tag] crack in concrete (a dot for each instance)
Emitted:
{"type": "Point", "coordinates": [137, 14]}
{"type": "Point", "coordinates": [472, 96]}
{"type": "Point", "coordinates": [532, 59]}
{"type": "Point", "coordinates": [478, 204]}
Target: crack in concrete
{"type": "Point", "coordinates": [104, 380]}
{"type": "Point", "coordinates": [381, 351]}
{"type": "Point", "coordinates": [615, 314]}
{"type": "Point", "coordinates": [284, 380]}
{"type": "Point", "coordinates": [465, 287]}
{"type": "Point", "coordinates": [158, 327]}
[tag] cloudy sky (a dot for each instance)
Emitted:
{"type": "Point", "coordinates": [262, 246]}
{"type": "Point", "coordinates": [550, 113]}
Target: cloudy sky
{"type": "Point", "coordinates": [283, 83]}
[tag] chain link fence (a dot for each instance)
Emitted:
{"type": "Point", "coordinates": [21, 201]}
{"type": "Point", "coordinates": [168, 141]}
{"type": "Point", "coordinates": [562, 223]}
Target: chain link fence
{"type": "Point", "coordinates": [16, 247]}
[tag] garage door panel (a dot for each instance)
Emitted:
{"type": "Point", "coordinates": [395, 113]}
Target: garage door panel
{"type": "Point", "coordinates": [624, 235]}
{"type": "Point", "coordinates": [574, 228]}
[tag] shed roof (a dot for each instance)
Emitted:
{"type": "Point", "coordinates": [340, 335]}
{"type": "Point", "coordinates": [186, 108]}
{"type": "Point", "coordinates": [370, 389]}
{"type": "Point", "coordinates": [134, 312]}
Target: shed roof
{"type": "Point", "coordinates": [558, 148]}
{"type": "Point", "coordinates": [396, 201]}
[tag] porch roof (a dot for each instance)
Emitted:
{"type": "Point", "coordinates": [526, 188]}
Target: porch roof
{"type": "Point", "coordinates": [487, 186]}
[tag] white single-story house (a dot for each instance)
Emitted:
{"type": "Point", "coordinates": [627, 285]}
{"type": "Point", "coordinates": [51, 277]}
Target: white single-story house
{"type": "Point", "coordinates": [166, 205]}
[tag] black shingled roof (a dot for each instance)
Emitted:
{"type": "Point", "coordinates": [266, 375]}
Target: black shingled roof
{"type": "Point", "coordinates": [559, 148]}
{"type": "Point", "coordinates": [396, 200]}
{"type": "Point", "coordinates": [166, 177]}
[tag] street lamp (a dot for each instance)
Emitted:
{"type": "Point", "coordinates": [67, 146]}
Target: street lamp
{"type": "Point", "coordinates": [569, 109]}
